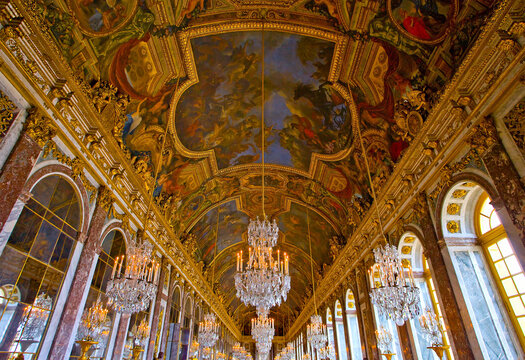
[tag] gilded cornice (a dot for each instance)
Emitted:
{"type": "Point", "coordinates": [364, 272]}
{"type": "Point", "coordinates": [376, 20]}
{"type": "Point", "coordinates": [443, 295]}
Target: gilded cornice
{"type": "Point", "coordinates": [106, 163]}
{"type": "Point", "coordinates": [444, 133]}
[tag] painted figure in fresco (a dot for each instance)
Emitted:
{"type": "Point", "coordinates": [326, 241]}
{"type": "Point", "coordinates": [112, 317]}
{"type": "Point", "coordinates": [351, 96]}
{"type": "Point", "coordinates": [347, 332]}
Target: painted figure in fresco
{"type": "Point", "coordinates": [138, 27]}
{"type": "Point", "coordinates": [192, 4]}
{"type": "Point", "coordinates": [382, 28]}
{"type": "Point", "coordinates": [421, 18]}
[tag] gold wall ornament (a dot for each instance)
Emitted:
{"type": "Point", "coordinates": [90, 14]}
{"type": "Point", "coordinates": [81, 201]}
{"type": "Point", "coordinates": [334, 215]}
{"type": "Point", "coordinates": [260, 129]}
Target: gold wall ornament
{"type": "Point", "coordinates": [483, 136]}
{"type": "Point", "coordinates": [459, 194]}
{"type": "Point", "coordinates": [102, 93]}
{"type": "Point", "coordinates": [453, 226]}
{"type": "Point", "coordinates": [39, 127]}
{"type": "Point", "coordinates": [453, 208]}
{"type": "Point", "coordinates": [6, 113]}
{"type": "Point", "coordinates": [515, 123]}
{"type": "Point", "coordinates": [105, 198]}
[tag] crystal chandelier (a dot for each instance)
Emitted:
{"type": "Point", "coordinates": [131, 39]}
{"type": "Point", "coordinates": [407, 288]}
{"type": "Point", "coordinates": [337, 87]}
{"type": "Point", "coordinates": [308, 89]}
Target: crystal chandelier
{"type": "Point", "coordinates": [237, 350]}
{"type": "Point", "coordinates": [141, 333]}
{"type": "Point", "coordinates": [393, 289]}
{"type": "Point", "coordinates": [384, 341]}
{"type": "Point", "coordinates": [263, 330]}
{"type": "Point", "coordinates": [316, 332]}
{"type": "Point", "coordinates": [208, 331]}
{"type": "Point", "coordinates": [431, 328]}
{"type": "Point", "coordinates": [35, 317]}
{"type": "Point", "coordinates": [288, 352]}
{"type": "Point", "coordinates": [327, 353]}
{"type": "Point", "coordinates": [131, 289]}
{"type": "Point", "coordinates": [265, 281]}
{"type": "Point", "coordinates": [92, 322]}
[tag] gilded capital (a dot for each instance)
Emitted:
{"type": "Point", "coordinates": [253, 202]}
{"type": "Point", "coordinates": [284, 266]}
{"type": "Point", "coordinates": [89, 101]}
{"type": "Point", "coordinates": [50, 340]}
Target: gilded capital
{"type": "Point", "coordinates": [39, 127]}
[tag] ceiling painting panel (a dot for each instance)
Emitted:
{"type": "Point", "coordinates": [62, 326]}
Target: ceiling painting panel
{"type": "Point", "coordinates": [304, 114]}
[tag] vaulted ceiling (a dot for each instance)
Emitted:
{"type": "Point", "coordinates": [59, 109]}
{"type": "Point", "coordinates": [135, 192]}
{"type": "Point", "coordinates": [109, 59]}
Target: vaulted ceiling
{"type": "Point", "coordinates": [192, 70]}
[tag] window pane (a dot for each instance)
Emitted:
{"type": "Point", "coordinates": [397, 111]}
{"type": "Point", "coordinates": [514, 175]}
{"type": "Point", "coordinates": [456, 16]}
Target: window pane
{"type": "Point", "coordinates": [505, 247]}
{"type": "Point", "coordinates": [12, 263]}
{"type": "Point", "coordinates": [25, 230]}
{"type": "Point", "coordinates": [45, 242]}
{"type": "Point", "coordinates": [517, 306]}
{"type": "Point", "coordinates": [60, 257]}
{"type": "Point", "coordinates": [513, 265]}
{"type": "Point", "coordinates": [519, 281]}
{"type": "Point", "coordinates": [29, 282]}
{"type": "Point", "coordinates": [494, 252]}
{"type": "Point", "coordinates": [494, 220]}
{"type": "Point", "coordinates": [484, 224]}
{"type": "Point", "coordinates": [509, 287]}
{"type": "Point", "coordinates": [501, 268]}
{"type": "Point", "coordinates": [44, 189]}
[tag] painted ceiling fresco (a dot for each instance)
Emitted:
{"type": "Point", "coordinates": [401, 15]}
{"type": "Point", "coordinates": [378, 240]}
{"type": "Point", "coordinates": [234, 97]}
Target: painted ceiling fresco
{"type": "Point", "coordinates": [189, 76]}
{"type": "Point", "coordinates": [303, 112]}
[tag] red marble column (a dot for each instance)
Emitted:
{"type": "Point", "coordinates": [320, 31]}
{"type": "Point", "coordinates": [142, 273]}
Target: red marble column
{"type": "Point", "coordinates": [366, 312]}
{"type": "Point", "coordinates": [156, 312]}
{"type": "Point", "coordinates": [15, 173]}
{"type": "Point", "coordinates": [460, 343]}
{"type": "Point", "coordinates": [122, 333]}
{"type": "Point", "coordinates": [80, 283]}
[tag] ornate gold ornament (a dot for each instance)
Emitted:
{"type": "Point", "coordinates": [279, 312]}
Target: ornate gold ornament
{"type": "Point", "coordinates": [453, 226]}
{"type": "Point", "coordinates": [515, 123]}
{"type": "Point", "coordinates": [459, 194]}
{"type": "Point", "coordinates": [484, 135]}
{"type": "Point", "coordinates": [39, 127]}
{"type": "Point", "coordinates": [453, 208]}
{"type": "Point", "coordinates": [6, 113]}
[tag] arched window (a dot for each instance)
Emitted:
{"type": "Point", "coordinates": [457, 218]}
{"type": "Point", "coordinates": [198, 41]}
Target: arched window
{"type": "Point", "coordinates": [330, 327]}
{"type": "Point", "coordinates": [411, 253]}
{"type": "Point", "coordinates": [488, 272]}
{"type": "Point", "coordinates": [340, 331]}
{"type": "Point", "coordinates": [113, 246]}
{"type": "Point", "coordinates": [173, 327]}
{"type": "Point", "coordinates": [383, 321]}
{"type": "Point", "coordinates": [353, 326]}
{"type": "Point", "coordinates": [34, 263]}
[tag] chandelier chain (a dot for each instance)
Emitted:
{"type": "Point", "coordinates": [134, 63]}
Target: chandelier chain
{"type": "Point", "coordinates": [262, 115]}
{"type": "Point", "coordinates": [311, 259]}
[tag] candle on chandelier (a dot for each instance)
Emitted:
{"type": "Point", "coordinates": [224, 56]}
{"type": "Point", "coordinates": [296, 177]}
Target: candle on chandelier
{"type": "Point", "coordinates": [114, 268]}
{"type": "Point", "coordinates": [238, 261]}
{"type": "Point", "coordinates": [157, 275]}
{"type": "Point", "coordinates": [120, 266]}
{"type": "Point", "coordinates": [249, 254]}
{"type": "Point", "coordinates": [241, 260]}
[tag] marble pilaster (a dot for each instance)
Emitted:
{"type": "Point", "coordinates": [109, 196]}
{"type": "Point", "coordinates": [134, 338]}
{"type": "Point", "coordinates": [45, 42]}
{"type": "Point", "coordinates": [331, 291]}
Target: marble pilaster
{"type": "Point", "coordinates": [120, 340]}
{"type": "Point", "coordinates": [15, 173]}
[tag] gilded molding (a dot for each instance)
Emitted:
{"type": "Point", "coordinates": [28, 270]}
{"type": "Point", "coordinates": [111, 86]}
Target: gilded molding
{"type": "Point", "coordinates": [6, 113]}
